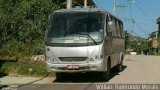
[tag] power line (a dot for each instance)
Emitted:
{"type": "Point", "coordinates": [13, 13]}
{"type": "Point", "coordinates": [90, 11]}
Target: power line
{"type": "Point", "coordinates": [98, 3]}
{"type": "Point", "coordinates": [131, 17]}
{"type": "Point", "coordinates": [138, 26]}
{"type": "Point", "coordinates": [142, 11]}
{"type": "Point", "coordinates": [153, 9]}
{"type": "Point", "coordinates": [102, 5]}
{"type": "Point", "coordinates": [130, 7]}
{"type": "Point", "coordinates": [115, 5]}
{"type": "Point", "coordinates": [132, 20]}
{"type": "Point", "coordinates": [122, 10]}
{"type": "Point", "coordinates": [141, 29]}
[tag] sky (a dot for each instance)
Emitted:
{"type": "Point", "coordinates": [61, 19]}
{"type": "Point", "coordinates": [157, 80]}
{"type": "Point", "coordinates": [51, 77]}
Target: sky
{"type": "Point", "coordinates": [144, 12]}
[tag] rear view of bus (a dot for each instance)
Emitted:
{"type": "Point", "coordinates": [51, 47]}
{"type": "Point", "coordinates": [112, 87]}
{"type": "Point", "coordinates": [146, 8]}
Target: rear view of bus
{"type": "Point", "coordinates": [76, 42]}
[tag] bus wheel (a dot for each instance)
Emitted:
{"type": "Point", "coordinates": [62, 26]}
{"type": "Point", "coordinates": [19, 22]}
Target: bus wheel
{"type": "Point", "coordinates": [119, 67]}
{"type": "Point", "coordinates": [59, 75]}
{"type": "Point", "coordinates": [106, 75]}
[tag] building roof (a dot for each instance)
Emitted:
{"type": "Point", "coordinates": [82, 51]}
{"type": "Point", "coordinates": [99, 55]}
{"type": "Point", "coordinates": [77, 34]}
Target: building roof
{"type": "Point", "coordinates": [158, 20]}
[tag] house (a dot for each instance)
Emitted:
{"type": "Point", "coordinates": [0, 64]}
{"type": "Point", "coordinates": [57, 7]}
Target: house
{"type": "Point", "coordinates": [158, 22]}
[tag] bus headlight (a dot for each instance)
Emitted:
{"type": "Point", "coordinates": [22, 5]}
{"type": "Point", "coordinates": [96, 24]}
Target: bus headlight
{"type": "Point", "coordinates": [96, 58]}
{"type": "Point", "coordinates": [99, 57]}
{"type": "Point", "coordinates": [92, 59]}
{"type": "Point", "coordinates": [50, 60]}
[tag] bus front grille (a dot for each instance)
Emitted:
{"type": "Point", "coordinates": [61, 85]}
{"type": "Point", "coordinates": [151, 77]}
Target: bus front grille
{"type": "Point", "coordinates": [72, 59]}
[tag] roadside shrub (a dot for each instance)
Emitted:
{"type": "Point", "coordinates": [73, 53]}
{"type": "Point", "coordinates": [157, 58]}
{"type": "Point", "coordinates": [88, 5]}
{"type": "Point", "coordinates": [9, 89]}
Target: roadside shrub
{"type": "Point", "coordinates": [16, 68]}
{"type": "Point", "coordinates": [4, 52]}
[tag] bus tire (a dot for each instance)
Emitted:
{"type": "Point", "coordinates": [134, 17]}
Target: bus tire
{"type": "Point", "coordinates": [59, 75]}
{"type": "Point", "coordinates": [106, 75]}
{"type": "Point", "coordinates": [119, 67]}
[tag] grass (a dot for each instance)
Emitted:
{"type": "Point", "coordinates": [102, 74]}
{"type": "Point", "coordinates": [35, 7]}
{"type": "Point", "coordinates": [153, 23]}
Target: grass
{"type": "Point", "coordinates": [20, 64]}
{"type": "Point", "coordinates": [16, 68]}
{"type": "Point", "coordinates": [158, 54]}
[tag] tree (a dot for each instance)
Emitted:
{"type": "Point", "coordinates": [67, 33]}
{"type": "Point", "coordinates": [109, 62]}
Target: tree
{"type": "Point", "coordinates": [23, 23]}
{"type": "Point", "coordinates": [145, 47]}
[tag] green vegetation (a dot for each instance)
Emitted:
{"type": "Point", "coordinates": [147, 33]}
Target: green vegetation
{"type": "Point", "coordinates": [158, 54]}
{"type": "Point", "coordinates": [144, 46]}
{"type": "Point", "coordinates": [32, 69]}
{"type": "Point", "coordinates": [22, 30]}
{"type": "Point", "coordinates": [137, 44]}
{"type": "Point", "coordinates": [22, 27]}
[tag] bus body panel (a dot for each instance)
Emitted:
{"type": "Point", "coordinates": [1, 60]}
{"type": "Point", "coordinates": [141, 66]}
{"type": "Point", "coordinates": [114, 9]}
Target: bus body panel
{"type": "Point", "coordinates": [85, 65]}
{"type": "Point", "coordinates": [117, 50]}
{"type": "Point", "coordinates": [90, 57]}
{"type": "Point", "coordinates": [86, 51]}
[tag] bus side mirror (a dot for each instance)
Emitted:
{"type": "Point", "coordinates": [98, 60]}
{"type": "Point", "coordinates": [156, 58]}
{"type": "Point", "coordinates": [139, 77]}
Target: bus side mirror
{"type": "Point", "coordinates": [110, 23]}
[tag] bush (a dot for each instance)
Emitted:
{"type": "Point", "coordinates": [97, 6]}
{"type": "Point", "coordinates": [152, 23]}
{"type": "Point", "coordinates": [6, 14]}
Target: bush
{"type": "Point", "coordinates": [158, 54]}
{"type": "Point", "coordinates": [16, 68]}
{"type": "Point", "coordinates": [23, 24]}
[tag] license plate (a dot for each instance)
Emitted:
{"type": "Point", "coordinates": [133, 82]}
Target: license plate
{"type": "Point", "coordinates": [72, 67]}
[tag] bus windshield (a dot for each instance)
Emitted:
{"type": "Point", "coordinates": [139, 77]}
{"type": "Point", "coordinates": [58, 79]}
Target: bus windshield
{"type": "Point", "coordinates": [75, 28]}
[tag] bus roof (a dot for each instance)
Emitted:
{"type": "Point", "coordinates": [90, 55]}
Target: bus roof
{"type": "Point", "coordinates": [86, 10]}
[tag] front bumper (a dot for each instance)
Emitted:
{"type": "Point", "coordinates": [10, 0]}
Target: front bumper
{"type": "Point", "coordinates": [83, 67]}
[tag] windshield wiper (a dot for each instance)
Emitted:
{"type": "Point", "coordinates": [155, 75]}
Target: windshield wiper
{"type": "Point", "coordinates": [89, 37]}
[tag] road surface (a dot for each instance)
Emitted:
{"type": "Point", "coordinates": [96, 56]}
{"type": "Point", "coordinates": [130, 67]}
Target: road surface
{"type": "Point", "coordinates": [137, 70]}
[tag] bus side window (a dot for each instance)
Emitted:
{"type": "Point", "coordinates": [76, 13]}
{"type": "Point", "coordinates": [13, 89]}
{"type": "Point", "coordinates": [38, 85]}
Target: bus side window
{"type": "Point", "coordinates": [121, 27]}
{"type": "Point", "coordinates": [118, 29]}
{"type": "Point", "coordinates": [113, 27]}
{"type": "Point", "coordinates": [108, 27]}
{"type": "Point", "coordinates": [107, 24]}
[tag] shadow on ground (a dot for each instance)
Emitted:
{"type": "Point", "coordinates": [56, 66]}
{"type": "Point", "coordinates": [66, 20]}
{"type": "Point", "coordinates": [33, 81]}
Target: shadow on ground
{"type": "Point", "coordinates": [1, 73]}
{"type": "Point", "coordinates": [85, 77]}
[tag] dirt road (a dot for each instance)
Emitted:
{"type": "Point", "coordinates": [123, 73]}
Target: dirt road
{"type": "Point", "coordinates": [137, 70]}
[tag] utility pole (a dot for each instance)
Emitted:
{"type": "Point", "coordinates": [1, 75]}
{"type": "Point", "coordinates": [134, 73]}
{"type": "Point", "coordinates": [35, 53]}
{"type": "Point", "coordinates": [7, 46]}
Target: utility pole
{"type": "Point", "coordinates": [85, 3]}
{"type": "Point", "coordinates": [156, 40]}
{"type": "Point", "coordinates": [115, 5]}
{"type": "Point", "coordinates": [69, 4]}
{"type": "Point", "coordinates": [133, 23]}
{"type": "Point", "coordinates": [157, 34]}
{"type": "Point", "coordinates": [131, 37]}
